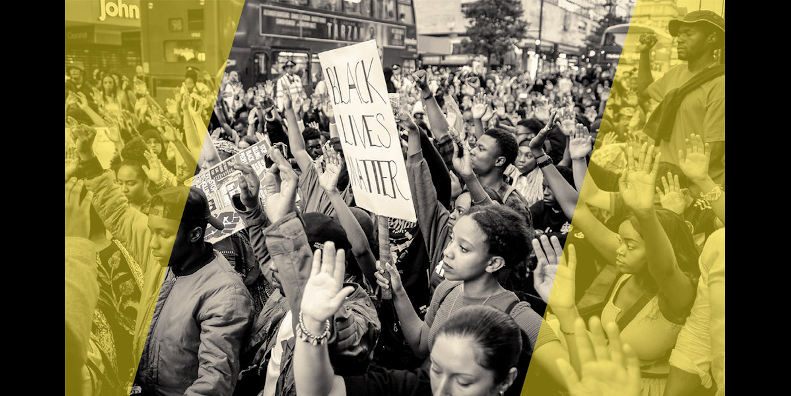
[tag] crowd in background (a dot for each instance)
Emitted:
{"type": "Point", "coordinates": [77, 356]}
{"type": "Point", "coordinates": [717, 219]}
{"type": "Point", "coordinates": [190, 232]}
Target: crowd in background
{"type": "Point", "coordinates": [505, 171]}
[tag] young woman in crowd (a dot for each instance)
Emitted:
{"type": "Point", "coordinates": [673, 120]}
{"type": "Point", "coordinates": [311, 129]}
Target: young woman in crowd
{"type": "Point", "coordinates": [656, 259]}
{"type": "Point", "coordinates": [475, 353]}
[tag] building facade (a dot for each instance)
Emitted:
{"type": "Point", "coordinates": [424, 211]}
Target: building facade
{"type": "Point", "coordinates": [103, 34]}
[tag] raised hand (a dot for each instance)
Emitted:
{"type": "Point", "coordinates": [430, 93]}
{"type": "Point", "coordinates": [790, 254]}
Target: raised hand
{"type": "Point", "coordinates": [78, 219]}
{"type": "Point", "coordinates": [672, 198]}
{"type": "Point", "coordinates": [606, 370]}
{"type": "Point", "coordinates": [314, 125]}
{"type": "Point", "coordinates": [568, 121]}
{"type": "Point", "coordinates": [462, 161]}
{"type": "Point", "coordinates": [329, 111]}
{"type": "Point", "coordinates": [287, 103]}
{"type": "Point", "coordinates": [420, 79]}
{"type": "Point", "coordinates": [72, 161]}
{"type": "Point", "coordinates": [168, 131]}
{"type": "Point", "coordinates": [333, 165]}
{"type": "Point", "coordinates": [269, 88]}
{"type": "Point", "coordinates": [537, 143]}
{"type": "Point", "coordinates": [83, 137]}
{"type": "Point", "coordinates": [154, 169]}
{"type": "Point", "coordinates": [581, 143]}
{"type": "Point", "coordinates": [607, 139]}
{"type": "Point", "coordinates": [82, 101]}
{"type": "Point", "coordinates": [647, 41]}
{"type": "Point", "coordinates": [694, 161]}
{"type": "Point", "coordinates": [546, 269]}
{"type": "Point", "coordinates": [249, 184]}
{"type": "Point", "coordinates": [563, 298]}
{"type": "Point", "coordinates": [479, 106]}
{"type": "Point", "coordinates": [323, 294]}
{"type": "Point", "coordinates": [281, 187]}
{"type": "Point", "coordinates": [637, 184]}
{"type": "Point", "coordinates": [395, 277]}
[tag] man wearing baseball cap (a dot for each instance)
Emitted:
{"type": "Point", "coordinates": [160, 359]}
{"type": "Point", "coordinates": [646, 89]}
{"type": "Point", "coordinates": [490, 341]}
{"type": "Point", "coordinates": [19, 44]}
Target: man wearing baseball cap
{"type": "Point", "coordinates": [194, 309]}
{"type": "Point", "coordinates": [77, 83]}
{"type": "Point", "coordinates": [290, 83]}
{"type": "Point", "coordinates": [692, 94]}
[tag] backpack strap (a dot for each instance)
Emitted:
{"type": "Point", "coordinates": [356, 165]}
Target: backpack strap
{"type": "Point", "coordinates": [511, 306]}
{"type": "Point", "coordinates": [632, 312]}
{"type": "Point", "coordinates": [508, 192]}
{"type": "Point", "coordinates": [446, 294]}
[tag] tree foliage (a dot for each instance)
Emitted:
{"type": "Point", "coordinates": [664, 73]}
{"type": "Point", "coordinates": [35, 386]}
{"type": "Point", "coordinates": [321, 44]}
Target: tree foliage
{"type": "Point", "coordinates": [495, 26]}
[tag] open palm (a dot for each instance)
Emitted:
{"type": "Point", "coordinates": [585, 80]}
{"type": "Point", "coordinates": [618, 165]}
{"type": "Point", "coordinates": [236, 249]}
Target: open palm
{"type": "Point", "coordinates": [323, 294]}
{"type": "Point", "coordinates": [333, 165]}
{"type": "Point", "coordinates": [637, 183]}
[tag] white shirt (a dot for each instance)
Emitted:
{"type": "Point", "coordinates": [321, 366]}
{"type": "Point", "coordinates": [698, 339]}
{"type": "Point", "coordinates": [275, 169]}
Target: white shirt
{"type": "Point", "coordinates": [285, 333]}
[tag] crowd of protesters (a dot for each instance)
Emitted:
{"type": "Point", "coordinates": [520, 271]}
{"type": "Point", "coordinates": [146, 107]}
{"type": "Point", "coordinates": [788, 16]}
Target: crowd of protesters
{"type": "Point", "coordinates": [503, 174]}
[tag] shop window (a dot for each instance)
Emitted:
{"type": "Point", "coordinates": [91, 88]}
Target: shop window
{"type": "Point", "coordinates": [357, 7]}
{"type": "Point", "coordinates": [184, 51]}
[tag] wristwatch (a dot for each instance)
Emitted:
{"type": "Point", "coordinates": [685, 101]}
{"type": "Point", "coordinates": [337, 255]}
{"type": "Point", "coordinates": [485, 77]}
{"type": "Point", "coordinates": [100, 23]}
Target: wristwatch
{"type": "Point", "coordinates": [544, 162]}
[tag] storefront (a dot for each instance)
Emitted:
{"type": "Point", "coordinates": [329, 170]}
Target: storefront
{"type": "Point", "coordinates": [103, 34]}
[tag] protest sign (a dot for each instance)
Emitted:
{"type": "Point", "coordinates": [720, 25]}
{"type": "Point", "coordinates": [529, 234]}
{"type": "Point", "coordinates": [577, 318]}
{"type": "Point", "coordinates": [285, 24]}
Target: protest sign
{"type": "Point", "coordinates": [221, 182]}
{"type": "Point", "coordinates": [367, 130]}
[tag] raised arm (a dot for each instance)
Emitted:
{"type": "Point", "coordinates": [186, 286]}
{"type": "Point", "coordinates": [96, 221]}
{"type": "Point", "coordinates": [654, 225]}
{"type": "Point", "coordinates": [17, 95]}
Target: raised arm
{"type": "Point", "coordinates": [694, 162]}
{"type": "Point", "coordinates": [580, 146]}
{"type": "Point", "coordinates": [295, 141]}
{"type": "Point", "coordinates": [323, 296]}
{"type": "Point", "coordinates": [416, 331]}
{"type": "Point", "coordinates": [169, 135]}
{"type": "Point", "coordinates": [328, 180]}
{"type": "Point", "coordinates": [564, 192]}
{"type": "Point", "coordinates": [481, 113]}
{"type": "Point", "coordinates": [637, 191]}
{"type": "Point", "coordinates": [439, 125]}
{"type": "Point", "coordinates": [644, 76]}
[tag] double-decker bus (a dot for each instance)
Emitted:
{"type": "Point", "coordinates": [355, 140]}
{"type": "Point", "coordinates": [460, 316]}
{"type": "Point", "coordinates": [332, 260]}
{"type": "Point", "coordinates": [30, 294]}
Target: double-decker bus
{"type": "Point", "coordinates": [178, 34]}
{"type": "Point", "coordinates": [269, 33]}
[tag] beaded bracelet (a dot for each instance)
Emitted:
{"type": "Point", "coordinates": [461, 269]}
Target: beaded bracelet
{"type": "Point", "coordinates": [712, 195]}
{"type": "Point", "coordinates": [304, 335]}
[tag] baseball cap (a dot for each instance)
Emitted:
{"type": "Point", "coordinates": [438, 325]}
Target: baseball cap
{"type": "Point", "coordinates": [289, 63]}
{"type": "Point", "coordinates": [183, 203]}
{"type": "Point", "coordinates": [321, 228]}
{"type": "Point", "coordinates": [697, 17]}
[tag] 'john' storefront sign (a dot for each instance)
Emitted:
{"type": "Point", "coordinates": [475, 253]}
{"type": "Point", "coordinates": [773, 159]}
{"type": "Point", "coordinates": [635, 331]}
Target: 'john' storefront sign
{"type": "Point", "coordinates": [118, 9]}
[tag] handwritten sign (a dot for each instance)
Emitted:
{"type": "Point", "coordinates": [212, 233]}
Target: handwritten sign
{"type": "Point", "coordinates": [367, 130]}
{"type": "Point", "coordinates": [221, 182]}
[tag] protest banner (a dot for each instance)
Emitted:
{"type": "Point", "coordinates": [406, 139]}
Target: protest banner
{"type": "Point", "coordinates": [367, 130]}
{"type": "Point", "coordinates": [221, 182]}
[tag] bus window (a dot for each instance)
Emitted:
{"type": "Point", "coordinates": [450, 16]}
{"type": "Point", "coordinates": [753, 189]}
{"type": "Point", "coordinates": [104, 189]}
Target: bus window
{"type": "Point", "coordinates": [300, 58]}
{"type": "Point", "coordinates": [357, 7]}
{"type": "Point", "coordinates": [329, 5]}
{"type": "Point", "coordinates": [405, 14]}
{"type": "Point", "coordinates": [184, 51]}
{"type": "Point", "coordinates": [385, 9]}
